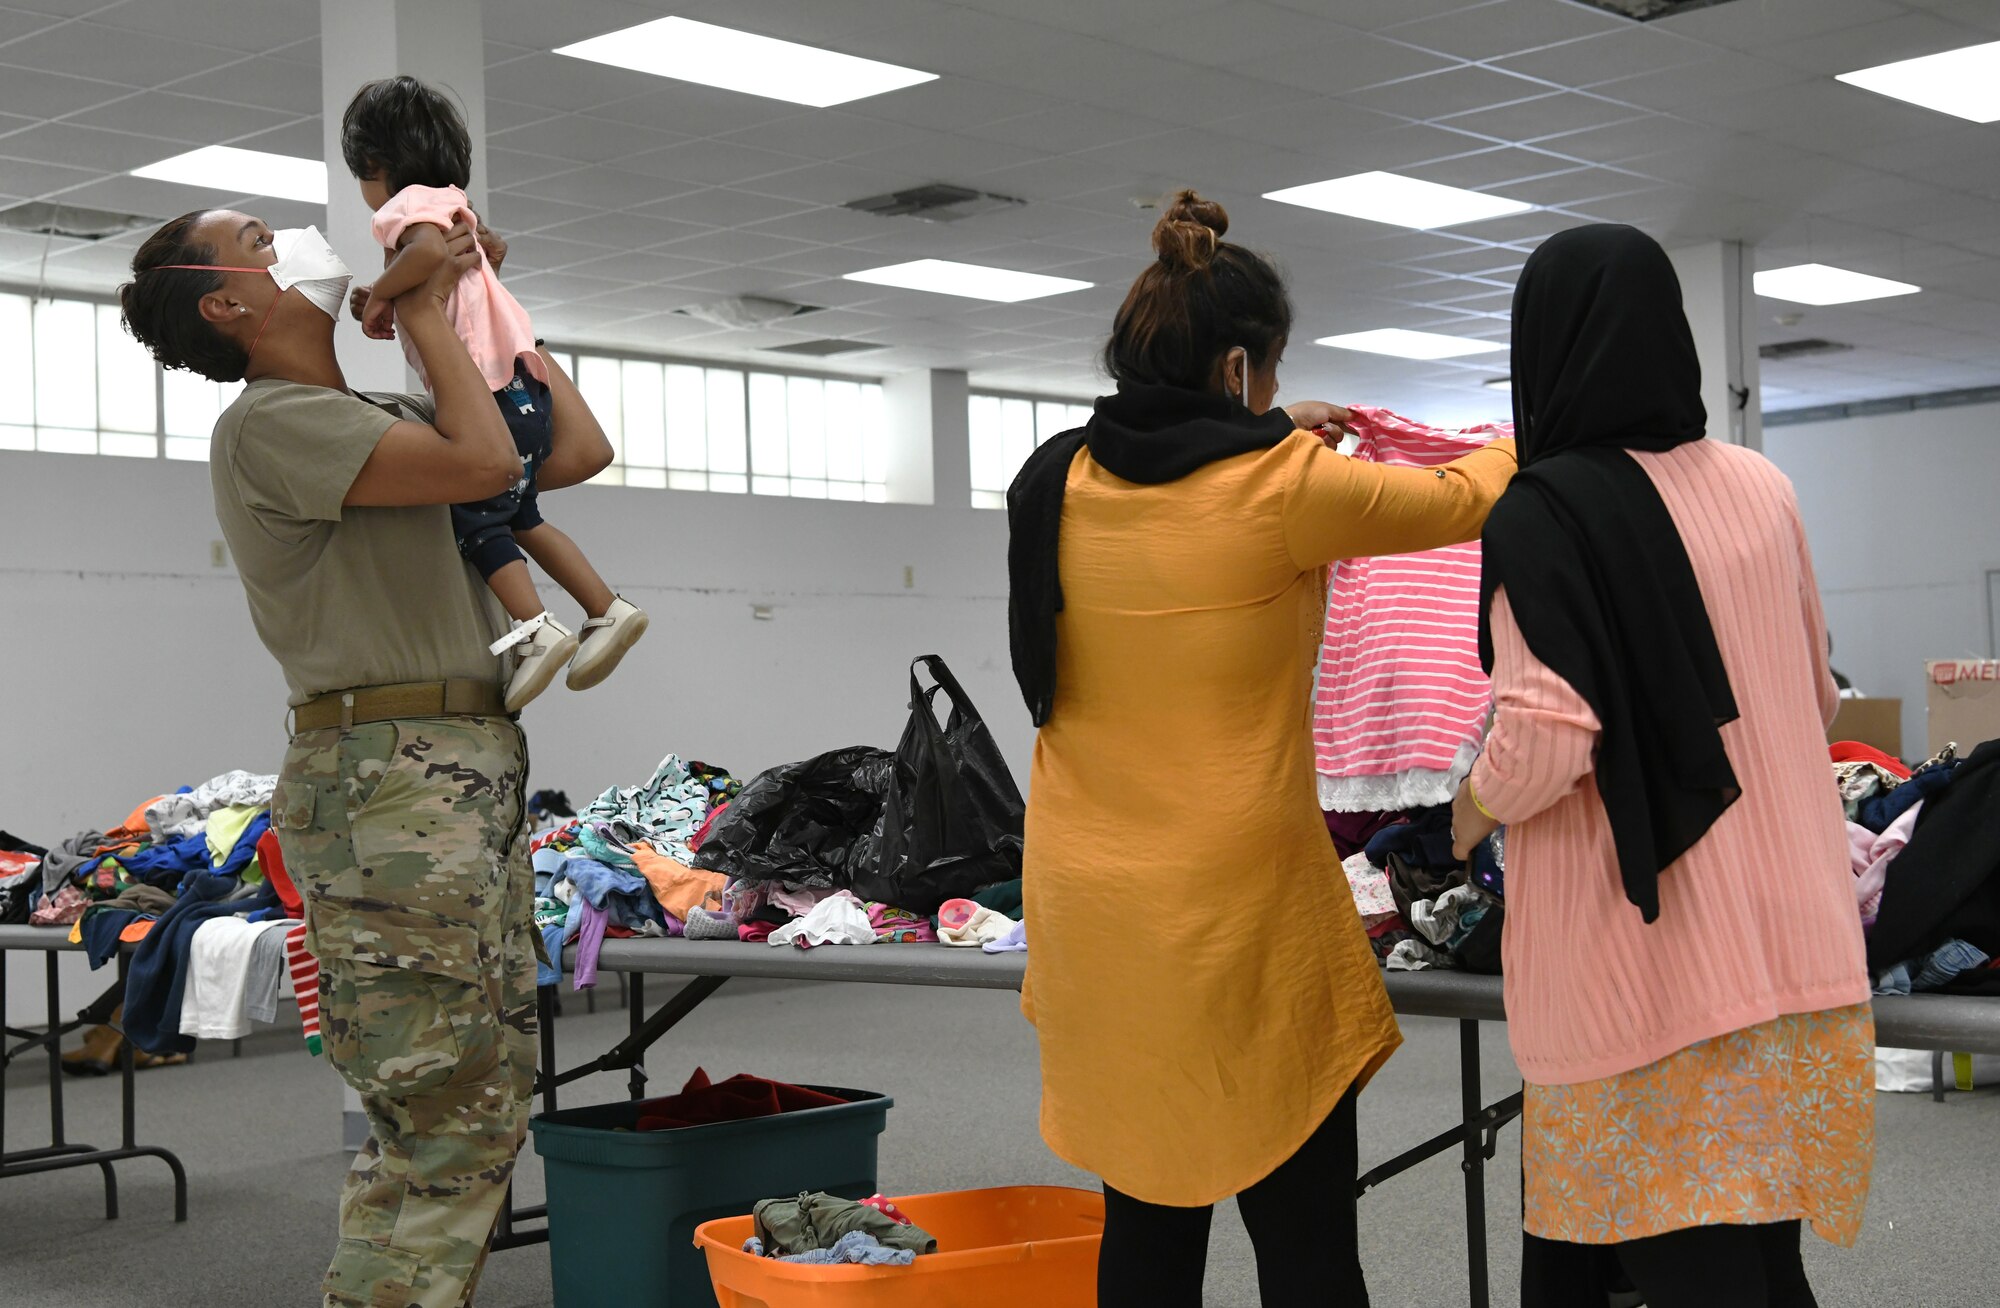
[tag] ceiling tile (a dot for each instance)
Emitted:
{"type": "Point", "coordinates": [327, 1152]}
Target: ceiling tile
{"type": "Point", "coordinates": [535, 253]}
{"type": "Point", "coordinates": [1504, 28]}
{"type": "Point", "coordinates": [515, 213]}
{"type": "Point", "coordinates": [824, 134]}
{"type": "Point", "coordinates": [719, 206]}
{"type": "Point", "coordinates": [623, 231]}
{"type": "Point", "coordinates": [1724, 74]}
{"type": "Point", "coordinates": [1624, 51]}
{"type": "Point", "coordinates": [560, 82]}
{"type": "Point", "coordinates": [832, 183]}
{"type": "Point", "coordinates": [583, 138]}
{"type": "Point", "coordinates": [249, 29]}
{"type": "Point", "coordinates": [116, 55]}
{"type": "Point", "coordinates": [726, 247]}
{"type": "Point", "coordinates": [43, 94]}
{"type": "Point", "coordinates": [66, 143]}
{"type": "Point", "coordinates": [630, 267]}
{"type": "Point", "coordinates": [1776, 22]}
{"type": "Point", "coordinates": [1623, 138]}
{"type": "Point", "coordinates": [820, 226]}
{"type": "Point", "coordinates": [606, 188]}
{"type": "Point", "coordinates": [1440, 95]}
{"type": "Point", "coordinates": [178, 117]}
{"type": "Point", "coordinates": [279, 85]}
{"type": "Point", "coordinates": [713, 163]}
{"type": "Point", "coordinates": [302, 139]}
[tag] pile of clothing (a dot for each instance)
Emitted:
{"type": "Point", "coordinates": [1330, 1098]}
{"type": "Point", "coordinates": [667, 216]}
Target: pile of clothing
{"type": "Point", "coordinates": [193, 880]}
{"type": "Point", "coordinates": [826, 1229]}
{"type": "Point", "coordinates": [633, 864]}
{"type": "Point", "coordinates": [1924, 847]}
{"type": "Point", "coordinates": [624, 864]}
{"type": "Point", "coordinates": [1422, 907]}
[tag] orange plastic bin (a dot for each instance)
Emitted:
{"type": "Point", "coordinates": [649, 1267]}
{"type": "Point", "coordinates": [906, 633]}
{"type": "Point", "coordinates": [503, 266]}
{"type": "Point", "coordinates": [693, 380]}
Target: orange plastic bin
{"type": "Point", "coordinates": [1022, 1245]}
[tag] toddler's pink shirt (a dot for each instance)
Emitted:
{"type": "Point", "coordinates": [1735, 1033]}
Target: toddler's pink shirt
{"type": "Point", "coordinates": [495, 328]}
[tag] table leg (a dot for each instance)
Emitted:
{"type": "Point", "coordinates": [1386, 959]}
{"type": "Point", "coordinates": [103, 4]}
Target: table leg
{"type": "Point", "coordinates": [636, 1021]}
{"type": "Point", "coordinates": [1474, 1165]}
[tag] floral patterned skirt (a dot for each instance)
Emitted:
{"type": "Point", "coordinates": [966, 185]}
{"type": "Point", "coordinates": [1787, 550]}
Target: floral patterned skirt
{"type": "Point", "coordinates": [1772, 1123]}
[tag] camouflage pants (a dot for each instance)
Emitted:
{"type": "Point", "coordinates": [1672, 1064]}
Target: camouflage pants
{"type": "Point", "coordinates": [407, 840]}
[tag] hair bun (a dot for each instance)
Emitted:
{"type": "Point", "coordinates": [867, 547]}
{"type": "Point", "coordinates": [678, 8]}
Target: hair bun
{"type": "Point", "coordinates": [1189, 232]}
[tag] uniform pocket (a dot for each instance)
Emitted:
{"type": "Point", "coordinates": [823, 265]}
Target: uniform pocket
{"type": "Point", "coordinates": [407, 1033]}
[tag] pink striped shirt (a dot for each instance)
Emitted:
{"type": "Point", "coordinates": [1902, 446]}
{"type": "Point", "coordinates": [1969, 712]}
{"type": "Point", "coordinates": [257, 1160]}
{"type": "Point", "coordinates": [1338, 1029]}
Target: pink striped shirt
{"type": "Point", "coordinates": [1402, 698]}
{"type": "Point", "coordinates": [1757, 920]}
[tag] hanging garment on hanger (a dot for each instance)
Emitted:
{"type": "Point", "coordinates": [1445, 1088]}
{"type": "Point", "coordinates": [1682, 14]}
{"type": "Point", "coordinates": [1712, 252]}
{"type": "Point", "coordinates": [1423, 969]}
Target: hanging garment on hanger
{"type": "Point", "coordinates": [1402, 699]}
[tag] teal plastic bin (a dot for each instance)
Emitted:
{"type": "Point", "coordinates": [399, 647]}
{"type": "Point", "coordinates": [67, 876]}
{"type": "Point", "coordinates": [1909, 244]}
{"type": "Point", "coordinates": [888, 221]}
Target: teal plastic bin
{"type": "Point", "coordinates": [624, 1204]}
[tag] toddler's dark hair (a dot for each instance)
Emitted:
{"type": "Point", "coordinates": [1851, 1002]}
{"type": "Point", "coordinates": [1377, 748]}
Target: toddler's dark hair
{"type": "Point", "coordinates": [406, 133]}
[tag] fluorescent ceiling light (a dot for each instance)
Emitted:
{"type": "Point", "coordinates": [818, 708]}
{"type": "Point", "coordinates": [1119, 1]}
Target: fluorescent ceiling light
{"type": "Point", "coordinates": [243, 172]}
{"type": "Point", "coordinates": [1815, 283]}
{"type": "Point", "coordinates": [1402, 201]}
{"type": "Point", "coordinates": [968, 279]}
{"type": "Point", "coordinates": [1963, 83]}
{"type": "Point", "coordinates": [1411, 345]}
{"type": "Point", "coordinates": [1499, 384]}
{"type": "Point", "coordinates": [742, 61]}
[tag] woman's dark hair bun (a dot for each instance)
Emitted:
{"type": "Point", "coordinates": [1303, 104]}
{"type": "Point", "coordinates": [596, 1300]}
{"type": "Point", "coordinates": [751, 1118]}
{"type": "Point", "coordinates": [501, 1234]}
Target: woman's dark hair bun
{"type": "Point", "coordinates": [1190, 232]}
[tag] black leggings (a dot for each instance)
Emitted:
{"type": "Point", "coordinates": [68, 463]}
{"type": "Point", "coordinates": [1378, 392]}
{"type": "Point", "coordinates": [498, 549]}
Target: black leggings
{"type": "Point", "coordinates": [1698, 1267]}
{"type": "Point", "coordinates": [1300, 1217]}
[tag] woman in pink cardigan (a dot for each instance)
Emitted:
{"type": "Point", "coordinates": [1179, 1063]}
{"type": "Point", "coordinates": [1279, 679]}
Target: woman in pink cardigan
{"type": "Point", "coordinates": [1687, 994]}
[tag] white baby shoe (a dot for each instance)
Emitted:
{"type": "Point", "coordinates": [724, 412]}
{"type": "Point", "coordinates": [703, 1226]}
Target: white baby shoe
{"type": "Point", "coordinates": [605, 641]}
{"type": "Point", "coordinates": [540, 647]}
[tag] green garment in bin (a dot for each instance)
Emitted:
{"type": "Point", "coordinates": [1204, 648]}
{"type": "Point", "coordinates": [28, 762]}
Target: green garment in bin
{"type": "Point", "coordinates": [817, 1221]}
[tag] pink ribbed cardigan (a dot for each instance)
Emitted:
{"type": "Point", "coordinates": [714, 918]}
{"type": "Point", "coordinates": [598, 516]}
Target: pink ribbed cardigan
{"type": "Point", "coordinates": [1758, 919]}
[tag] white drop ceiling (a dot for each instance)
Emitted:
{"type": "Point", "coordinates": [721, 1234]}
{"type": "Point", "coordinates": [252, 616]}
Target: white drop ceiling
{"type": "Point", "coordinates": [628, 196]}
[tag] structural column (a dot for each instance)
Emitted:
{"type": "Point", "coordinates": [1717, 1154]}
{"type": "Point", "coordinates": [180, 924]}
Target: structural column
{"type": "Point", "coordinates": [930, 457]}
{"type": "Point", "coordinates": [440, 41]}
{"type": "Point", "coordinates": [1721, 308]}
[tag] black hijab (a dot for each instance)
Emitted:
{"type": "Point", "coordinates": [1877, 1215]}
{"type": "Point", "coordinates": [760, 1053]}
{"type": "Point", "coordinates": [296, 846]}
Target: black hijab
{"type": "Point", "coordinates": [1149, 435]}
{"type": "Point", "coordinates": [1594, 568]}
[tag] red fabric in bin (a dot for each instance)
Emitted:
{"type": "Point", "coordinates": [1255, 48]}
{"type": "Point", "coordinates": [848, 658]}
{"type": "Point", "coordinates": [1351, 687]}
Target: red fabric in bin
{"type": "Point", "coordinates": [739, 1099]}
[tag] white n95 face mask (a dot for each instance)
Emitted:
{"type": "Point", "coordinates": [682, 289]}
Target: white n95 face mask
{"type": "Point", "coordinates": [306, 261]}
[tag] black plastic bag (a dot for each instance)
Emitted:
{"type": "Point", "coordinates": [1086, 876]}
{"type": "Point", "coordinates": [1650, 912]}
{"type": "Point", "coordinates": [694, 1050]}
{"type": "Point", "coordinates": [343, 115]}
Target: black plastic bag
{"type": "Point", "coordinates": [811, 823]}
{"type": "Point", "coordinates": [951, 821]}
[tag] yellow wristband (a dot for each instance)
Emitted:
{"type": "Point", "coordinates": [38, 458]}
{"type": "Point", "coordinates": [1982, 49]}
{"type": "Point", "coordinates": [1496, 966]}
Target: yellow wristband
{"type": "Point", "coordinates": [1485, 812]}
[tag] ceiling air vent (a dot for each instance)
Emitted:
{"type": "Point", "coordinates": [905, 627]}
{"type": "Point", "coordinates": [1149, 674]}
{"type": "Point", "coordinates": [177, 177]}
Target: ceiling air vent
{"type": "Point", "coordinates": [1801, 349]}
{"type": "Point", "coordinates": [72, 222]}
{"type": "Point", "coordinates": [824, 348]}
{"type": "Point", "coordinates": [938, 202]}
{"type": "Point", "coordinates": [1645, 11]}
{"type": "Point", "coordinates": [746, 312]}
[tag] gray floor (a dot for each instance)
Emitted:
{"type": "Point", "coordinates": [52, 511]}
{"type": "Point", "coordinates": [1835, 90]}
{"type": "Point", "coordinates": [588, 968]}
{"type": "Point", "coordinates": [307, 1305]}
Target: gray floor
{"type": "Point", "coordinates": [258, 1135]}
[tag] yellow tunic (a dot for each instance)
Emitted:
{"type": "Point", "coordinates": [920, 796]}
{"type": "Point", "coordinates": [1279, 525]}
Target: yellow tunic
{"type": "Point", "coordinates": [1201, 983]}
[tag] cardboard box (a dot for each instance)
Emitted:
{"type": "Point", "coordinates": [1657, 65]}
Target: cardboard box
{"type": "Point", "coordinates": [1964, 701]}
{"type": "Point", "coordinates": [1877, 722]}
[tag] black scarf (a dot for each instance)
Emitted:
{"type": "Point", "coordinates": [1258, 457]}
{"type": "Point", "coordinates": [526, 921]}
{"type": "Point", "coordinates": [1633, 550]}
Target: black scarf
{"type": "Point", "coordinates": [1149, 435]}
{"type": "Point", "coordinates": [1595, 571]}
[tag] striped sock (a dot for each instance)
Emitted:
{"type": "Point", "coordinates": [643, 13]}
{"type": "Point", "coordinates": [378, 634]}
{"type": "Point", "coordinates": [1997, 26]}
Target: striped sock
{"type": "Point", "coordinates": [305, 984]}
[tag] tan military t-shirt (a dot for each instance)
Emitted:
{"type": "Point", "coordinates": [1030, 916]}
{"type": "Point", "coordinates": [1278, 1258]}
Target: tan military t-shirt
{"type": "Point", "coordinates": [343, 597]}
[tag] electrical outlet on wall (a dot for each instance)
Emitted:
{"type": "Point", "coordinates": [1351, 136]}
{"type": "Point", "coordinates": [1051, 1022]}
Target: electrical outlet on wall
{"type": "Point", "coordinates": [218, 554]}
{"type": "Point", "coordinates": [909, 577]}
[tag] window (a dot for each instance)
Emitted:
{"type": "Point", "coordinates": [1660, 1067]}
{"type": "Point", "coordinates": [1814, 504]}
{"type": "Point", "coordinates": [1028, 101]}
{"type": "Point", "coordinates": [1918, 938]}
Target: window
{"type": "Point", "coordinates": [92, 389]}
{"type": "Point", "coordinates": [690, 426]}
{"type": "Point", "coordinates": [1004, 430]}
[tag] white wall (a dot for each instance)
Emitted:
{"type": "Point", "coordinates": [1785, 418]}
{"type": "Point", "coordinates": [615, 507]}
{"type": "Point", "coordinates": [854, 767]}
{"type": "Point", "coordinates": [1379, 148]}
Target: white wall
{"type": "Point", "coordinates": [131, 667]}
{"type": "Point", "coordinates": [1901, 511]}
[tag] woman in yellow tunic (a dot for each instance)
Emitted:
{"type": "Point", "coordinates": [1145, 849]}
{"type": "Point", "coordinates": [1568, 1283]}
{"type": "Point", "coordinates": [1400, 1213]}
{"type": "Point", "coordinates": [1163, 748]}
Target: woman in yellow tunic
{"type": "Point", "coordinates": [1206, 999]}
